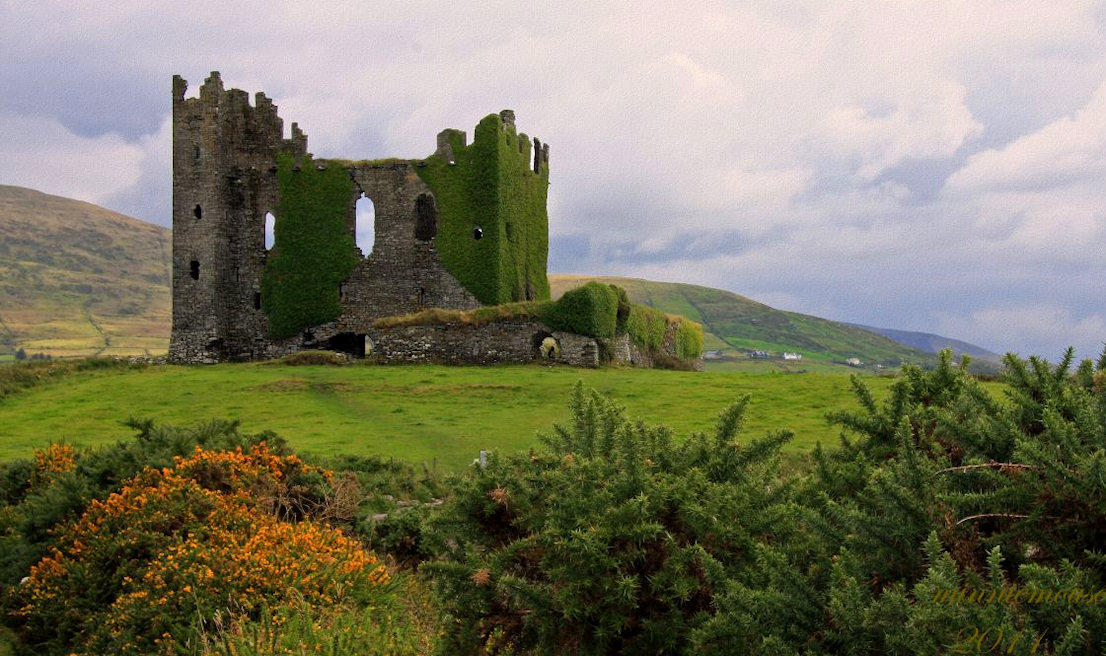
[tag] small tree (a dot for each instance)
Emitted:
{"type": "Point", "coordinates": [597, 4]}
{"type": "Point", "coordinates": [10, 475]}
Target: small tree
{"type": "Point", "coordinates": [21, 355]}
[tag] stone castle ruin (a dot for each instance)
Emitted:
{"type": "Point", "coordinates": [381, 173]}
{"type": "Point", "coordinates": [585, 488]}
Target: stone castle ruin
{"type": "Point", "coordinates": [463, 228]}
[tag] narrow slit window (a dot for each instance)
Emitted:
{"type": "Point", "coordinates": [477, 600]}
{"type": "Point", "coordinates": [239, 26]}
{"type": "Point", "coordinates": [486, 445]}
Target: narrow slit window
{"type": "Point", "coordinates": [426, 218]}
{"type": "Point", "coordinates": [194, 269]}
{"type": "Point", "coordinates": [197, 212]}
{"type": "Point", "coordinates": [364, 232]}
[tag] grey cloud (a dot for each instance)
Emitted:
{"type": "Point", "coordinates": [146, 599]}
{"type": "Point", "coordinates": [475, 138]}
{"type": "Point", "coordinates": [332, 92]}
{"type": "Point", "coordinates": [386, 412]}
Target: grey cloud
{"type": "Point", "coordinates": [834, 159]}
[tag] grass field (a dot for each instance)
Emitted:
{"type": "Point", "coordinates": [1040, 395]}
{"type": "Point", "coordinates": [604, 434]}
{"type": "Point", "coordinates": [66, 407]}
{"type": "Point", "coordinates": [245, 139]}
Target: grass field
{"type": "Point", "coordinates": [414, 413]}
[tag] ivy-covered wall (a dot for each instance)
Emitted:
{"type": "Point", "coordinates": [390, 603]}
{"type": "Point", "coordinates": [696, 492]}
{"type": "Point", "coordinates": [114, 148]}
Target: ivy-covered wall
{"type": "Point", "coordinates": [491, 186]}
{"type": "Point", "coordinates": [313, 250]}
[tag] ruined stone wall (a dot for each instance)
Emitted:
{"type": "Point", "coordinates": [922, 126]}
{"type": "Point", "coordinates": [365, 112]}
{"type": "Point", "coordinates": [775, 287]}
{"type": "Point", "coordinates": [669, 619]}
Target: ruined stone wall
{"type": "Point", "coordinates": [225, 180]}
{"type": "Point", "coordinates": [510, 341]}
{"type": "Point", "coordinates": [503, 341]}
{"type": "Point", "coordinates": [404, 273]}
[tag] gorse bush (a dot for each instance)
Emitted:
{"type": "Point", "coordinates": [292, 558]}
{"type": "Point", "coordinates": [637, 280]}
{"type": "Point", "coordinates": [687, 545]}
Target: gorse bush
{"type": "Point", "coordinates": [614, 539]}
{"type": "Point", "coordinates": [946, 522]}
{"type": "Point", "coordinates": [41, 494]}
{"type": "Point", "coordinates": [139, 570]}
{"type": "Point", "coordinates": [162, 543]}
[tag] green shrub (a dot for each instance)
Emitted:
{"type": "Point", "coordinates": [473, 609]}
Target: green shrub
{"type": "Point", "coordinates": [590, 310]}
{"type": "Point", "coordinates": [914, 537]}
{"type": "Point", "coordinates": [615, 538]}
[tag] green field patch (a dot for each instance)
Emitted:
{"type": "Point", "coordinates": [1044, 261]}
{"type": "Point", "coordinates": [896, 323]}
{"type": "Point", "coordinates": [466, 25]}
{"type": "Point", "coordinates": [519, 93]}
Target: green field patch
{"type": "Point", "coordinates": [419, 413]}
{"type": "Point", "coordinates": [283, 385]}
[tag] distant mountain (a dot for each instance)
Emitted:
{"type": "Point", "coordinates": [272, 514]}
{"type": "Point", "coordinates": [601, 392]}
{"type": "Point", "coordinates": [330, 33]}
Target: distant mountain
{"type": "Point", "coordinates": [934, 343]}
{"type": "Point", "coordinates": [736, 327]}
{"type": "Point", "coordinates": [79, 280]}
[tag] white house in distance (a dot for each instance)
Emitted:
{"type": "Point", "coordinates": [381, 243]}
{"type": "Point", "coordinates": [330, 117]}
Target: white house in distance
{"type": "Point", "coordinates": [792, 356]}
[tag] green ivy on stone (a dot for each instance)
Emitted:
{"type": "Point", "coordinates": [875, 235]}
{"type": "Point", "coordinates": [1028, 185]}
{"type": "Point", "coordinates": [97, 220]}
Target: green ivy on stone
{"type": "Point", "coordinates": [313, 250]}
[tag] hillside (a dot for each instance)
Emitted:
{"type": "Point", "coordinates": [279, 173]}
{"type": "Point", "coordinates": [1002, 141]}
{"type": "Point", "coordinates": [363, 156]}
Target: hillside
{"type": "Point", "coordinates": [734, 324]}
{"type": "Point", "coordinates": [931, 343]}
{"type": "Point", "coordinates": [80, 280]}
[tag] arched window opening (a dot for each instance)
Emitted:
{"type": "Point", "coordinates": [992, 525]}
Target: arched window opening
{"type": "Point", "coordinates": [546, 346]}
{"type": "Point", "coordinates": [197, 212]}
{"type": "Point", "coordinates": [270, 230]}
{"type": "Point", "coordinates": [365, 232]}
{"type": "Point", "coordinates": [426, 217]}
{"type": "Point", "coordinates": [194, 269]}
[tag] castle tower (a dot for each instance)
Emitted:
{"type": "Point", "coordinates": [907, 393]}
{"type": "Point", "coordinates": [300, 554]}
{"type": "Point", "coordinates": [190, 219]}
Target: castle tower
{"type": "Point", "coordinates": [224, 182]}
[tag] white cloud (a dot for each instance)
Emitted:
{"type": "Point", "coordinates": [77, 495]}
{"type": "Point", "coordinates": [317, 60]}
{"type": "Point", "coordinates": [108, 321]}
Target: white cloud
{"type": "Point", "coordinates": [41, 154]}
{"type": "Point", "coordinates": [1033, 328]}
{"type": "Point", "coordinates": [1069, 151]}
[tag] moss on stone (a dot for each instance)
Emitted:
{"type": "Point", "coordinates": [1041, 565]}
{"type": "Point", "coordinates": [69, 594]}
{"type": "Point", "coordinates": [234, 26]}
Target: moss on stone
{"type": "Point", "coordinates": [590, 310]}
{"type": "Point", "coordinates": [689, 338]}
{"type": "Point", "coordinates": [490, 185]}
{"type": "Point", "coordinates": [647, 326]}
{"type": "Point", "coordinates": [313, 251]}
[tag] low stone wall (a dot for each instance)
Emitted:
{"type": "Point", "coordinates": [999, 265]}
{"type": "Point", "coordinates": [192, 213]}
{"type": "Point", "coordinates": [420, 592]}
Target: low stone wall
{"type": "Point", "coordinates": [506, 340]}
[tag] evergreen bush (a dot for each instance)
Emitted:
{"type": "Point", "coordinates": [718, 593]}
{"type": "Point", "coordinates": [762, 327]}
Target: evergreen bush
{"type": "Point", "coordinates": [946, 522]}
{"type": "Point", "coordinates": [615, 538]}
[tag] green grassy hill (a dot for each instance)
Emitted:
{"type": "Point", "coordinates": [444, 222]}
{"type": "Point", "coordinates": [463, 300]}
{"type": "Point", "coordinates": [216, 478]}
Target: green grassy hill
{"type": "Point", "coordinates": [80, 280]}
{"type": "Point", "coordinates": [733, 325]}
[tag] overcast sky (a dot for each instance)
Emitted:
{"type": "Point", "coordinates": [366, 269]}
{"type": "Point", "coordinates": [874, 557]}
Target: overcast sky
{"type": "Point", "coordinates": [934, 165]}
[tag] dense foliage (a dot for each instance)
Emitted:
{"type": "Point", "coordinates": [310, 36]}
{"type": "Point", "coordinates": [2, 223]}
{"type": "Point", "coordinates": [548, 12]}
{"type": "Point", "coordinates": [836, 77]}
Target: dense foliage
{"type": "Point", "coordinates": [947, 522]}
{"type": "Point", "coordinates": [313, 250]}
{"type": "Point", "coordinates": [615, 539]}
{"type": "Point", "coordinates": [189, 540]}
{"type": "Point", "coordinates": [587, 310]}
{"type": "Point", "coordinates": [491, 185]}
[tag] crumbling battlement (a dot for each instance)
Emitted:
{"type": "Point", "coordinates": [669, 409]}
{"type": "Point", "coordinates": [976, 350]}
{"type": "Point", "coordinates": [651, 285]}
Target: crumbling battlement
{"type": "Point", "coordinates": [463, 227]}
